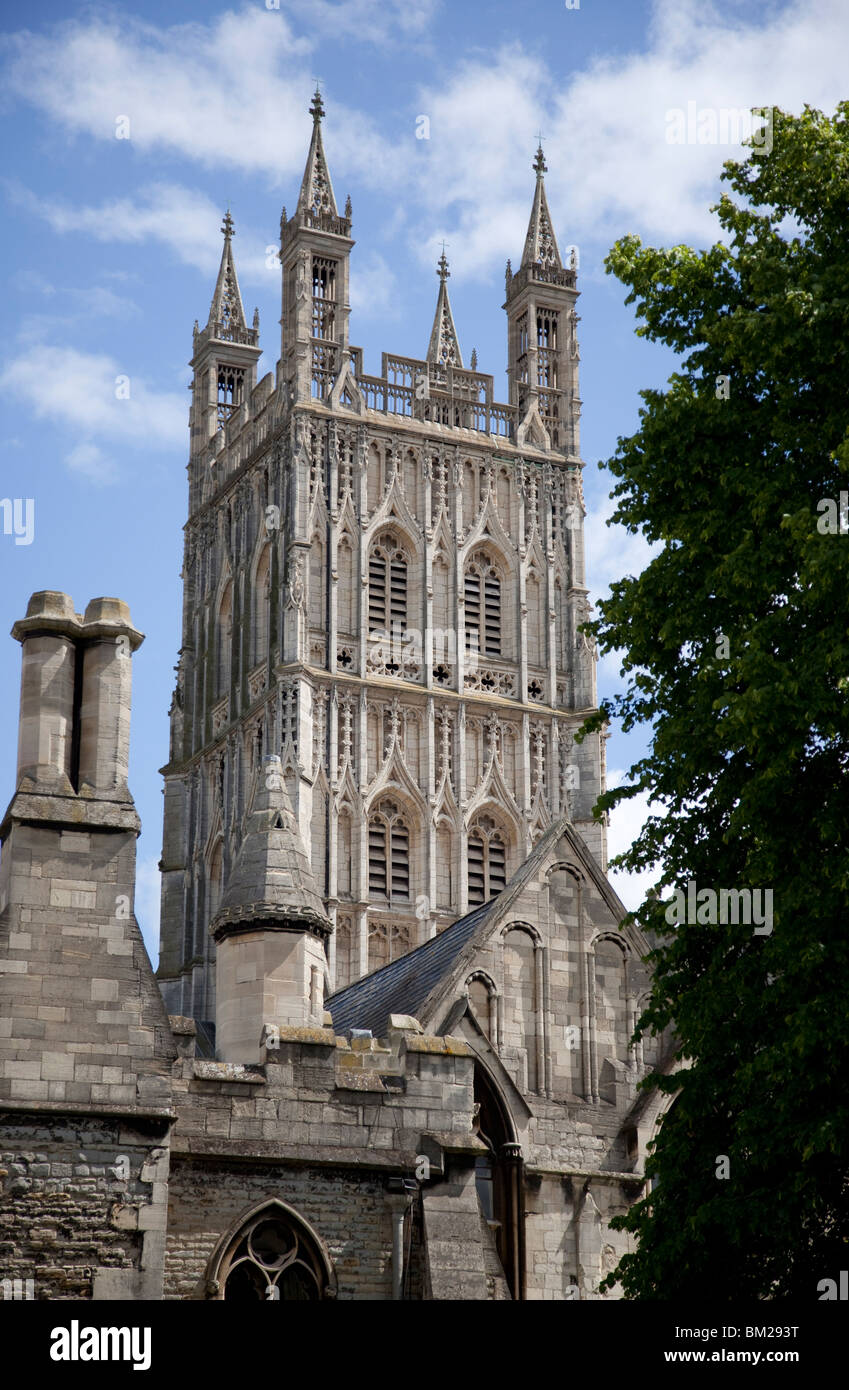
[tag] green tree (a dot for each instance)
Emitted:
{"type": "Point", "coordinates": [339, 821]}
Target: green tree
{"type": "Point", "coordinates": [736, 641]}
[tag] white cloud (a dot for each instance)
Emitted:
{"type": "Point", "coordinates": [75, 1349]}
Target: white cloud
{"type": "Point", "coordinates": [88, 392]}
{"type": "Point", "coordinates": [233, 92]}
{"type": "Point", "coordinates": [611, 169]}
{"type": "Point", "coordinates": [611, 551]}
{"type": "Point", "coordinates": [378, 22]}
{"type": "Point", "coordinates": [181, 218]}
{"type": "Point", "coordinates": [147, 904]}
{"type": "Point", "coordinates": [373, 289]}
{"type": "Point", "coordinates": [230, 93]}
{"type": "Point", "coordinates": [475, 172]}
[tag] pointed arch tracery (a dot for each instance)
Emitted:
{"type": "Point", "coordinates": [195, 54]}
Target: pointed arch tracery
{"type": "Point", "coordinates": [272, 1254]}
{"type": "Point", "coordinates": [389, 867]}
{"type": "Point", "coordinates": [488, 847]}
{"type": "Point", "coordinates": [482, 593]}
{"type": "Point", "coordinates": [261, 605]}
{"type": "Point", "coordinates": [225, 640]}
{"type": "Point", "coordinates": [388, 568]}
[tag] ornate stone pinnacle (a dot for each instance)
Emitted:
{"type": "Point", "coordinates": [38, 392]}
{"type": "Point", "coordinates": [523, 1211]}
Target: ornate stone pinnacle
{"type": "Point", "coordinates": [442, 267]}
{"type": "Point", "coordinates": [317, 107]}
{"type": "Point", "coordinates": [539, 164]}
{"type": "Point", "coordinates": [227, 225]}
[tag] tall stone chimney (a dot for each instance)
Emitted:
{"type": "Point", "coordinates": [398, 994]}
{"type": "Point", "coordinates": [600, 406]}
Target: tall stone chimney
{"type": "Point", "coordinates": [82, 1022]}
{"type": "Point", "coordinates": [76, 692]}
{"type": "Point", "coordinates": [46, 728]}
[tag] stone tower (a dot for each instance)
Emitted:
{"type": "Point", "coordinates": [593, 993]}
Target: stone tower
{"type": "Point", "coordinates": [383, 588]}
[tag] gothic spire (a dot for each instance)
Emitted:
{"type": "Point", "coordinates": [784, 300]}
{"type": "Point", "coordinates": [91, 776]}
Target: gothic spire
{"type": "Point", "coordinates": [226, 312]}
{"type": "Point", "coordinates": [540, 242]}
{"type": "Point", "coordinates": [444, 348]}
{"type": "Point", "coordinates": [316, 196]}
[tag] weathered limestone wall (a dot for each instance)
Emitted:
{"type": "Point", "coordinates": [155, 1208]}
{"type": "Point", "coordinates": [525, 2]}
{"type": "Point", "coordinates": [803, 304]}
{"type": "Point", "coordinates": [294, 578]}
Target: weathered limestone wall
{"type": "Point", "coordinates": [83, 1204]}
{"type": "Point", "coordinates": [348, 1209]}
{"type": "Point", "coordinates": [332, 1128]}
{"type": "Point", "coordinates": [83, 1021]}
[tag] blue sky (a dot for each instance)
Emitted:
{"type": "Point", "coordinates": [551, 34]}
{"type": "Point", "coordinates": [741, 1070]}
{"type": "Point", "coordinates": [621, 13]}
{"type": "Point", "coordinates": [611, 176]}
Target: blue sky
{"type": "Point", "coordinates": [112, 244]}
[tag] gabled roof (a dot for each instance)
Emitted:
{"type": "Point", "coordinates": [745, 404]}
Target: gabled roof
{"type": "Point", "coordinates": [414, 983]}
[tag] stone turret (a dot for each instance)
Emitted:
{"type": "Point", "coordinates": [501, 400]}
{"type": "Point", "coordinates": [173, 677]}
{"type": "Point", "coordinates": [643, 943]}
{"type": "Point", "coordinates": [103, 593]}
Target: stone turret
{"type": "Point", "coordinates": [315, 250]}
{"type": "Point", "coordinates": [270, 929]}
{"type": "Point", "coordinates": [224, 355]}
{"type": "Point", "coordinates": [542, 357]}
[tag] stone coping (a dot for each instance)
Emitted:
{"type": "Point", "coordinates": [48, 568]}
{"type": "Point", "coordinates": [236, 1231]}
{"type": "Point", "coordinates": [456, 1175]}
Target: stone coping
{"type": "Point", "coordinates": [257, 1150]}
{"type": "Point", "coordinates": [96, 1109]}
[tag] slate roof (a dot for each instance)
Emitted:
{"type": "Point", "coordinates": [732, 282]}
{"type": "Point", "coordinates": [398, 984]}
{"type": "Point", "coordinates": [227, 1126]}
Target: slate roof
{"type": "Point", "coordinates": [406, 985]}
{"type": "Point", "coordinates": [403, 986]}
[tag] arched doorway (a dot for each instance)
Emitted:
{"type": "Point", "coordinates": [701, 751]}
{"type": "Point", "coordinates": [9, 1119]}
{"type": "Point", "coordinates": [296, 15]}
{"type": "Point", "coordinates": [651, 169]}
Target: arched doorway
{"type": "Point", "coordinates": [499, 1180]}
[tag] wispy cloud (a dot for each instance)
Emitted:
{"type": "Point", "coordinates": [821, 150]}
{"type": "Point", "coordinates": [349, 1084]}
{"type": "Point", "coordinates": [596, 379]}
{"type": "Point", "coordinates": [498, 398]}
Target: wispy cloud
{"type": "Point", "coordinates": [379, 22]}
{"type": "Point", "coordinates": [374, 289]}
{"type": "Point", "coordinates": [97, 398]}
{"type": "Point", "coordinates": [182, 219]}
{"type": "Point", "coordinates": [611, 169]}
{"type": "Point", "coordinates": [232, 93]}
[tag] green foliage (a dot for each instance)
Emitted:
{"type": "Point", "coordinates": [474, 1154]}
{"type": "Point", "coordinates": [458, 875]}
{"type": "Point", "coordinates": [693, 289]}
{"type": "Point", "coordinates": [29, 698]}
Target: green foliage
{"type": "Point", "coordinates": [748, 764]}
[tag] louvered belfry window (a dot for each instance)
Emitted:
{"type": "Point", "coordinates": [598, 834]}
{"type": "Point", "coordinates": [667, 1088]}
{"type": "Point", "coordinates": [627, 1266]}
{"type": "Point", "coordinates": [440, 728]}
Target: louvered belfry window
{"type": "Point", "coordinates": [487, 861]}
{"type": "Point", "coordinates": [387, 587]}
{"type": "Point", "coordinates": [389, 855]}
{"type": "Point", "coordinates": [483, 606]}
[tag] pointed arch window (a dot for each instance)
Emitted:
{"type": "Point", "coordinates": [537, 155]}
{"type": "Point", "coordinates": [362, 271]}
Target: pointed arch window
{"type": "Point", "coordinates": [483, 606]}
{"type": "Point", "coordinates": [225, 642]}
{"type": "Point", "coordinates": [273, 1259]}
{"type": "Point", "coordinates": [487, 861]}
{"type": "Point", "coordinates": [389, 854]}
{"type": "Point", "coordinates": [216, 878]}
{"type": "Point", "coordinates": [262, 605]}
{"type": "Point", "coordinates": [387, 587]}
{"type": "Point", "coordinates": [324, 298]}
{"type": "Point", "coordinates": [231, 391]}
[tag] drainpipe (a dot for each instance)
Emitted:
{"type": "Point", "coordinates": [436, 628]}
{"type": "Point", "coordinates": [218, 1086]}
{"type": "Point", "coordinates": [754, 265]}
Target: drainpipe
{"type": "Point", "coordinates": [402, 1191]}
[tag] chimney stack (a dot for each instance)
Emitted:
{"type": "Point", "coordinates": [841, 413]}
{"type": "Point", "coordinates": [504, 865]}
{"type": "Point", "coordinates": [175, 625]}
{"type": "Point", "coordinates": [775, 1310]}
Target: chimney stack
{"type": "Point", "coordinates": [76, 686]}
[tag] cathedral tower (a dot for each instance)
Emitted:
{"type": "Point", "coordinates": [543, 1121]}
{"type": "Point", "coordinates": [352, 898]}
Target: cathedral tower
{"type": "Point", "coordinates": [383, 589]}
